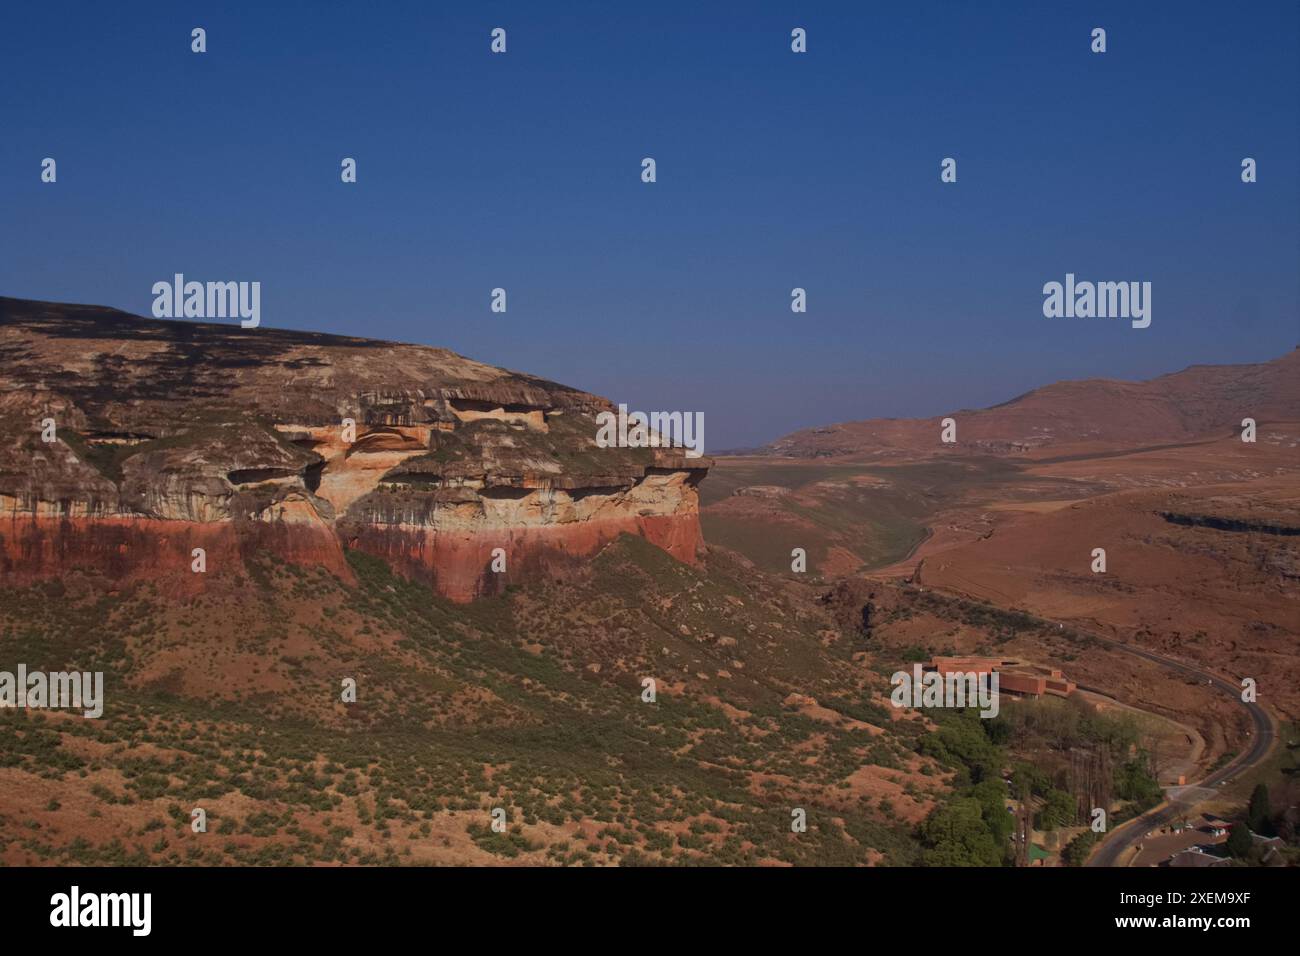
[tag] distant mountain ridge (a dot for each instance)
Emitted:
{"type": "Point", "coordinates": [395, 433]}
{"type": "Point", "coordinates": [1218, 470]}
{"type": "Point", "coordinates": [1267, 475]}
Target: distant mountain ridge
{"type": "Point", "coordinates": [1198, 402]}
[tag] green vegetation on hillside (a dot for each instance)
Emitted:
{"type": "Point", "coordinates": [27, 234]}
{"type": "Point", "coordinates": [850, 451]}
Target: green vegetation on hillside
{"type": "Point", "coordinates": [531, 702]}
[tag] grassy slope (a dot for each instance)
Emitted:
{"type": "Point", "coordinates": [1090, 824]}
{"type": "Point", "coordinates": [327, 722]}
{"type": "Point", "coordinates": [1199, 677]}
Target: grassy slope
{"type": "Point", "coordinates": [530, 702]}
{"type": "Point", "coordinates": [880, 520]}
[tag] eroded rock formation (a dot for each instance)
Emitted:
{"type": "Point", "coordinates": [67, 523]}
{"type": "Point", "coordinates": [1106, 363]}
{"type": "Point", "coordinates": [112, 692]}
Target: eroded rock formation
{"type": "Point", "coordinates": [170, 436]}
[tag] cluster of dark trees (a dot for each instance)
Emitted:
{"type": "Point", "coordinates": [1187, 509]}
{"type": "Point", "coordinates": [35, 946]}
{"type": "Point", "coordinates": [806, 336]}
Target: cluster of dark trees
{"type": "Point", "coordinates": [974, 827]}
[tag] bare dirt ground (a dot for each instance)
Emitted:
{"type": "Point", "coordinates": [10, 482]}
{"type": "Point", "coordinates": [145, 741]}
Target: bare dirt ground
{"type": "Point", "coordinates": [1202, 557]}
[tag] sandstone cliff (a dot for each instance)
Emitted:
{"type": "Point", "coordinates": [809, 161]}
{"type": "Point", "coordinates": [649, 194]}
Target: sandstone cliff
{"type": "Point", "coordinates": [170, 436]}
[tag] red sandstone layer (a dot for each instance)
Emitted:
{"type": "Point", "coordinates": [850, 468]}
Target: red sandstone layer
{"type": "Point", "coordinates": [292, 444]}
{"type": "Point", "coordinates": [458, 563]}
{"type": "Point", "coordinates": [133, 549]}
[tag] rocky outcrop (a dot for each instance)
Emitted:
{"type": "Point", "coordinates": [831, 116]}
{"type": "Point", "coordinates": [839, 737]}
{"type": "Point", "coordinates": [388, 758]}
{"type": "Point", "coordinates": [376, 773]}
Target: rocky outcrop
{"type": "Point", "coordinates": [1217, 522]}
{"type": "Point", "coordinates": [126, 443]}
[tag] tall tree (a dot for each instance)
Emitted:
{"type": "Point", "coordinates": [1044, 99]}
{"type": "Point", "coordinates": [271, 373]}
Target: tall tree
{"type": "Point", "coordinates": [1260, 812]}
{"type": "Point", "coordinates": [1239, 841]}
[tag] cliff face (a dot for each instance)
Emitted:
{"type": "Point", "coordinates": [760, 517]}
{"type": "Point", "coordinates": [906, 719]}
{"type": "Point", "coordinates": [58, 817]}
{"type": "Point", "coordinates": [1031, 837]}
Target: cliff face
{"type": "Point", "coordinates": [170, 436]}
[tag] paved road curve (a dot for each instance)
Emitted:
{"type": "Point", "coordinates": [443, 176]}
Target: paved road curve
{"type": "Point", "coordinates": [1262, 737]}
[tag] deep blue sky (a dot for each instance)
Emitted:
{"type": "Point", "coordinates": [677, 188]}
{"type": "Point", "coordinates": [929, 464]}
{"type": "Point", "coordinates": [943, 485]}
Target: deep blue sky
{"type": "Point", "coordinates": [775, 170]}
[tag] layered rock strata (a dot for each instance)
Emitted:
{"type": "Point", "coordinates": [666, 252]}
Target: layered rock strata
{"type": "Point", "coordinates": [126, 443]}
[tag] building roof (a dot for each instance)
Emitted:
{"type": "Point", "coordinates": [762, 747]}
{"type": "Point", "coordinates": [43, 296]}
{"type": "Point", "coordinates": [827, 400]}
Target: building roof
{"type": "Point", "coordinates": [1195, 856]}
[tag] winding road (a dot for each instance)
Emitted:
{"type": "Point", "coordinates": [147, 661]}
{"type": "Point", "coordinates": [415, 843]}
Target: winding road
{"type": "Point", "coordinates": [1262, 737]}
{"type": "Point", "coordinates": [1263, 734]}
